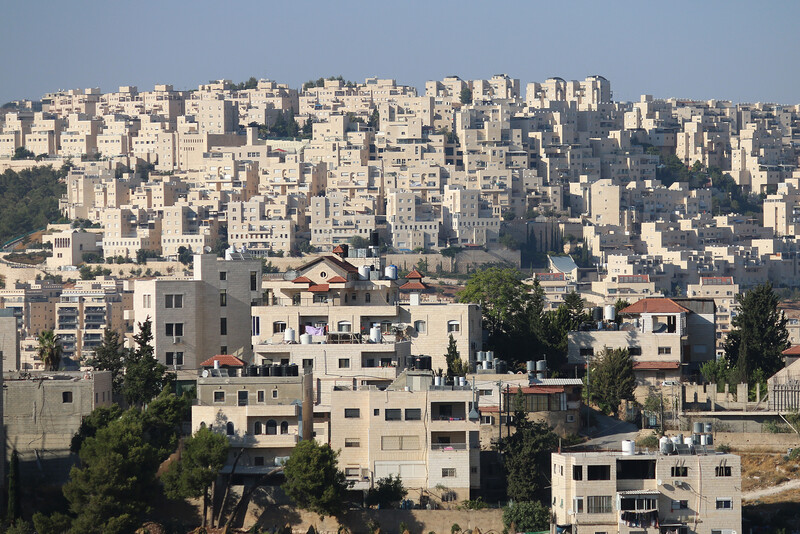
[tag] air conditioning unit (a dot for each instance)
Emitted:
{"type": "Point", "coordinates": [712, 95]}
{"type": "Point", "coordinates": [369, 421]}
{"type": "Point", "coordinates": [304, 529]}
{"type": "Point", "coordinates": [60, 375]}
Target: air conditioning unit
{"type": "Point", "coordinates": [176, 340]}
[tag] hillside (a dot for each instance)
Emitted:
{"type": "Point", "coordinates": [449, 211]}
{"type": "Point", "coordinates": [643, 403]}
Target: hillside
{"type": "Point", "coordinates": [28, 200]}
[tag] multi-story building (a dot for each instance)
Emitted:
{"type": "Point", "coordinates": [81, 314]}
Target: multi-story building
{"type": "Point", "coordinates": [723, 291]}
{"type": "Point", "coordinates": [694, 492]}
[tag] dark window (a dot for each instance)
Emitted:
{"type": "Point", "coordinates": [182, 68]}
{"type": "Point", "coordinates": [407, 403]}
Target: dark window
{"type": "Point", "coordinates": [636, 469]}
{"type": "Point", "coordinates": [352, 413]}
{"type": "Point", "coordinates": [598, 472]}
{"type": "Point", "coordinates": [242, 398]}
{"type": "Point", "coordinates": [392, 414]}
{"type": "Point", "coordinates": [723, 471]}
{"type": "Point", "coordinates": [223, 349]}
{"type": "Point", "coordinates": [680, 471]}
{"type": "Point", "coordinates": [260, 396]}
{"type": "Point", "coordinates": [219, 396]}
{"type": "Point", "coordinates": [173, 329]}
{"type": "Point", "coordinates": [272, 427]}
{"type": "Point", "coordinates": [253, 281]}
{"type": "Point", "coordinates": [258, 428]}
{"type": "Point", "coordinates": [223, 275]}
{"type": "Point", "coordinates": [258, 461]}
{"type": "Point", "coordinates": [223, 298]}
{"type": "Point", "coordinates": [229, 428]}
{"type": "Point", "coordinates": [376, 411]}
{"type": "Point", "coordinates": [223, 326]}
{"type": "Point", "coordinates": [173, 301]}
{"type": "Point", "coordinates": [367, 297]}
{"type": "Point", "coordinates": [413, 414]}
{"type": "Point", "coordinates": [635, 351]}
{"type": "Point", "coordinates": [587, 352]}
{"type": "Point", "coordinates": [577, 472]}
{"type": "Point", "coordinates": [308, 362]}
{"type": "Point", "coordinates": [344, 363]}
{"type": "Point", "coordinates": [174, 358]}
{"type": "Point", "coordinates": [284, 427]}
{"type": "Point", "coordinates": [66, 397]}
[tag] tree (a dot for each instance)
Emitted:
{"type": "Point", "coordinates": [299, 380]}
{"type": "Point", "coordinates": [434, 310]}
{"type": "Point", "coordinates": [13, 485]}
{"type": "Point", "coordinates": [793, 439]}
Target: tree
{"type": "Point", "coordinates": [526, 516]}
{"type": "Point", "coordinates": [374, 119]}
{"type": "Point", "coordinates": [99, 418]}
{"type": "Point", "coordinates": [758, 335]}
{"type": "Point", "coordinates": [22, 153]}
{"type": "Point", "coordinates": [575, 308]}
{"type": "Point", "coordinates": [109, 492]}
{"type": "Point", "coordinates": [110, 356]}
{"type": "Point", "coordinates": [144, 376]}
{"type": "Point", "coordinates": [203, 457]}
{"type": "Point", "coordinates": [387, 492]}
{"type": "Point", "coordinates": [163, 420]}
{"type": "Point", "coordinates": [313, 480]}
{"type": "Point", "coordinates": [526, 455]}
{"type": "Point", "coordinates": [610, 380]}
{"type": "Point", "coordinates": [184, 255]}
{"type": "Point", "coordinates": [359, 242]}
{"type": "Point", "coordinates": [716, 371]}
{"type": "Point", "coordinates": [49, 350]}
{"type": "Point", "coordinates": [455, 365]}
{"type": "Point", "coordinates": [466, 96]}
{"type": "Point", "coordinates": [14, 509]}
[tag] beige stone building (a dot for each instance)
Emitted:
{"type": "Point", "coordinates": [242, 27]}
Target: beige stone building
{"type": "Point", "coordinates": [694, 492]}
{"type": "Point", "coordinates": [69, 246]}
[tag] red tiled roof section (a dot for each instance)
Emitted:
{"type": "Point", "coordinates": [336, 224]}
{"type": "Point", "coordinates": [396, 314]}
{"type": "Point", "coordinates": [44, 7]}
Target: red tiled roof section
{"type": "Point", "coordinates": [414, 275]}
{"type": "Point", "coordinates": [334, 260]}
{"type": "Point", "coordinates": [226, 360]}
{"type": "Point", "coordinates": [794, 350]}
{"type": "Point", "coordinates": [338, 249]}
{"type": "Point", "coordinates": [319, 288]}
{"type": "Point", "coordinates": [489, 409]}
{"type": "Point", "coordinates": [414, 286]}
{"type": "Point", "coordinates": [543, 389]}
{"type": "Point", "coordinates": [658, 366]}
{"type": "Point", "coordinates": [302, 280]}
{"type": "Point", "coordinates": [654, 305]}
{"type": "Point", "coordinates": [337, 280]}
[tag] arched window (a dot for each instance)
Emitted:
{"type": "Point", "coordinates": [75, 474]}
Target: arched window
{"type": "Point", "coordinates": [344, 326]}
{"type": "Point", "coordinates": [257, 428]}
{"type": "Point", "coordinates": [453, 326]}
{"type": "Point", "coordinates": [229, 428]}
{"type": "Point", "coordinates": [272, 427]}
{"type": "Point", "coordinates": [202, 424]}
{"type": "Point", "coordinates": [284, 427]}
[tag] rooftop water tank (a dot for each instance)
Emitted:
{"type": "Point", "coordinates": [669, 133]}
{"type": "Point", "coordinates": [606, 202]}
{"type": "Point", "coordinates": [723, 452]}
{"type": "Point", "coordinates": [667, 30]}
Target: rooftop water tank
{"type": "Point", "coordinates": [609, 313]}
{"type": "Point", "coordinates": [628, 447]}
{"type": "Point", "coordinates": [305, 339]}
{"type": "Point", "coordinates": [697, 428]}
{"type": "Point", "coordinates": [391, 272]}
{"type": "Point", "coordinates": [665, 445]}
{"type": "Point", "coordinates": [288, 335]}
{"type": "Point", "coordinates": [363, 272]}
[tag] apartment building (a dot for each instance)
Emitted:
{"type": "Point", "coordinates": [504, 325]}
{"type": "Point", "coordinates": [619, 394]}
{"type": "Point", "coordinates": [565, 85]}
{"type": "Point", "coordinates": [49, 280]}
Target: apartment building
{"type": "Point", "coordinates": [723, 291]}
{"type": "Point", "coordinates": [69, 246]}
{"type": "Point", "coordinates": [252, 225]}
{"type": "Point", "coordinates": [694, 491]}
{"type": "Point", "coordinates": [195, 319]}
{"type": "Point", "coordinates": [411, 223]}
{"type": "Point", "coordinates": [336, 219]}
{"type": "Point", "coordinates": [428, 435]}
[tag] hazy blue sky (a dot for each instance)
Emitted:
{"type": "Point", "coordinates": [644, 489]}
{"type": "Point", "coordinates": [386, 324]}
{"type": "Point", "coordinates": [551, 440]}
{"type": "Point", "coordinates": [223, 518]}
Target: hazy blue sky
{"type": "Point", "coordinates": [737, 50]}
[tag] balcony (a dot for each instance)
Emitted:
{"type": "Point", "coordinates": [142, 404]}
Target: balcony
{"type": "Point", "coordinates": [265, 441]}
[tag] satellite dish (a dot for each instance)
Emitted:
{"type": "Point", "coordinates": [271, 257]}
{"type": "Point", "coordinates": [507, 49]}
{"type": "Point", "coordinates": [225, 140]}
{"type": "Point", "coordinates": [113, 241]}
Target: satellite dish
{"type": "Point", "coordinates": [205, 373]}
{"type": "Point", "coordinates": [659, 482]}
{"type": "Point", "coordinates": [207, 249]}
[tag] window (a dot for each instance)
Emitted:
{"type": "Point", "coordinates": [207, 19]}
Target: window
{"type": "Point", "coordinates": [598, 472]}
{"type": "Point", "coordinates": [274, 393]}
{"type": "Point", "coordinates": [253, 281]}
{"type": "Point", "coordinates": [392, 414]}
{"type": "Point", "coordinates": [376, 412]}
{"type": "Point", "coordinates": [680, 471]}
{"type": "Point", "coordinates": [724, 503]}
{"type": "Point", "coordinates": [272, 427]}
{"type": "Point", "coordinates": [665, 350]}
{"type": "Point", "coordinates": [223, 276]}
{"type": "Point", "coordinates": [453, 326]}
{"type": "Point", "coordinates": [223, 326]}
{"type": "Point", "coordinates": [258, 461]}
{"type": "Point", "coordinates": [173, 329]}
{"type": "Point", "coordinates": [413, 414]}
{"type": "Point", "coordinates": [577, 505]}
{"type": "Point", "coordinates": [173, 301]}
{"type": "Point", "coordinates": [367, 298]}
{"type": "Point", "coordinates": [260, 396]}
{"type": "Point", "coordinates": [258, 428]}
{"type": "Point", "coordinates": [635, 351]}
{"type": "Point", "coordinates": [66, 397]}
{"type": "Point", "coordinates": [420, 327]}
{"type": "Point", "coordinates": [587, 352]}
{"type": "Point", "coordinates": [352, 471]}
{"type": "Point", "coordinates": [284, 428]}
{"type": "Point", "coordinates": [448, 472]}
{"type": "Point", "coordinates": [174, 358]}
{"type": "Point", "coordinates": [577, 472]}
{"type": "Point", "coordinates": [399, 443]}
{"type": "Point", "coordinates": [146, 301]}
{"type": "Point", "coordinates": [242, 398]}
{"type": "Point", "coordinates": [308, 363]}
{"type": "Point", "coordinates": [352, 413]}
{"type": "Point", "coordinates": [598, 504]}
{"type": "Point", "coordinates": [344, 326]}
{"type": "Point", "coordinates": [344, 363]}
{"type": "Point", "coordinates": [223, 349]}
{"type": "Point", "coordinates": [680, 505]}
{"type": "Point", "coordinates": [487, 420]}
{"type": "Point", "coordinates": [278, 327]}
{"type": "Point", "coordinates": [351, 442]}
{"type": "Point", "coordinates": [223, 298]}
{"type": "Point", "coordinates": [723, 471]}
{"type": "Point", "coordinates": [229, 428]}
{"type": "Point", "coordinates": [219, 396]}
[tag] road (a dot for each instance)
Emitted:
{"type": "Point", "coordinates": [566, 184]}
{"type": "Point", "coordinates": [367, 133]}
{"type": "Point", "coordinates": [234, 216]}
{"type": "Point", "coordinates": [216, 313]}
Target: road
{"type": "Point", "coordinates": [765, 492]}
{"type": "Point", "coordinates": [608, 433]}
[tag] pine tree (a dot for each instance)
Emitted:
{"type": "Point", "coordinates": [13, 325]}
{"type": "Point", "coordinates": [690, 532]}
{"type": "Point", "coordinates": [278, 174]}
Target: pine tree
{"type": "Point", "coordinates": [14, 505]}
{"type": "Point", "coordinates": [144, 376]}
{"type": "Point", "coordinates": [611, 380]}
{"type": "Point", "coordinates": [455, 365]}
{"type": "Point", "coordinates": [110, 356]}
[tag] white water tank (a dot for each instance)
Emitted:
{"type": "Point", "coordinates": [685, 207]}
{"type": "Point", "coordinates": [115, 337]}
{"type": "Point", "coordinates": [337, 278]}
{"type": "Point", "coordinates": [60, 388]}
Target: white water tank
{"type": "Point", "coordinates": [490, 355]}
{"type": "Point", "coordinates": [676, 440]}
{"type": "Point", "coordinates": [485, 364]}
{"type": "Point", "coordinates": [375, 334]}
{"type": "Point", "coordinates": [462, 381]}
{"type": "Point", "coordinates": [480, 355]}
{"type": "Point", "coordinates": [665, 445]}
{"type": "Point", "coordinates": [628, 447]}
{"type": "Point", "coordinates": [390, 272]}
{"type": "Point", "coordinates": [305, 339]}
{"type": "Point", "coordinates": [363, 272]}
{"type": "Point", "coordinates": [437, 380]}
{"type": "Point", "coordinates": [609, 313]}
{"type": "Point", "coordinates": [288, 335]}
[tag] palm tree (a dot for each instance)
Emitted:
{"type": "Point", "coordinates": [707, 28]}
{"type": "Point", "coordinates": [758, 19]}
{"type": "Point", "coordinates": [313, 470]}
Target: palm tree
{"type": "Point", "coordinates": [49, 350]}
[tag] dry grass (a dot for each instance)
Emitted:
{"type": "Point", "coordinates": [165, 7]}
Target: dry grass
{"type": "Point", "coordinates": [765, 470]}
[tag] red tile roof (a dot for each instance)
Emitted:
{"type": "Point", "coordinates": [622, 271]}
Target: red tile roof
{"type": "Point", "coordinates": [414, 286]}
{"type": "Point", "coordinates": [489, 409]}
{"type": "Point", "coordinates": [334, 260]}
{"type": "Point", "coordinates": [338, 249]}
{"type": "Point", "coordinates": [302, 280]}
{"type": "Point", "coordinates": [658, 366]}
{"type": "Point", "coordinates": [225, 360]}
{"type": "Point", "coordinates": [792, 351]}
{"type": "Point", "coordinates": [654, 305]}
{"type": "Point", "coordinates": [337, 280]}
{"type": "Point", "coordinates": [414, 275]}
{"type": "Point", "coordinates": [543, 389]}
{"type": "Point", "coordinates": [318, 288]}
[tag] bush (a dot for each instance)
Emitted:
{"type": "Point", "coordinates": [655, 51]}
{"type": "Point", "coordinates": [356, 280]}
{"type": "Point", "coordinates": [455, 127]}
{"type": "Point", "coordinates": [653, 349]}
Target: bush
{"type": "Point", "coordinates": [387, 491]}
{"type": "Point", "coordinates": [648, 442]}
{"type": "Point", "coordinates": [774, 427]}
{"type": "Point", "coordinates": [527, 516]}
{"type": "Point", "coordinates": [724, 448]}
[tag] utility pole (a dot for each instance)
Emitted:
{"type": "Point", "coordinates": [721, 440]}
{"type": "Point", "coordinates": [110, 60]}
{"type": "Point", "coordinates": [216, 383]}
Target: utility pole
{"type": "Point", "coordinates": [499, 412]}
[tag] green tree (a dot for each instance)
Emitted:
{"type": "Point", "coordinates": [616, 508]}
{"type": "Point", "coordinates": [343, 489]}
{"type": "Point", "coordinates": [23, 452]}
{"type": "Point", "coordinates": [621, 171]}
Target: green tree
{"type": "Point", "coordinates": [163, 419]}
{"type": "Point", "coordinates": [20, 526]}
{"type": "Point", "coordinates": [455, 365]}
{"type": "Point", "coordinates": [110, 356]}
{"type": "Point", "coordinates": [466, 96]}
{"type": "Point", "coordinates": [716, 371]}
{"type": "Point", "coordinates": [22, 153]}
{"type": "Point", "coordinates": [110, 490]}
{"type": "Point", "coordinates": [526, 516]}
{"type": "Point", "coordinates": [49, 350]}
{"type": "Point", "coordinates": [14, 508]}
{"type": "Point", "coordinates": [184, 255]}
{"type": "Point", "coordinates": [313, 480]}
{"type": "Point", "coordinates": [359, 242]}
{"type": "Point", "coordinates": [99, 418]}
{"type": "Point", "coordinates": [387, 492]}
{"type": "Point", "coordinates": [144, 376]}
{"type": "Point", "coordinates": [57, 523]}
{"type": "Point", "coordinates": [201, 460]}
{"type": "Point", "coordinates": [575, 308]}
{"type": "Point", "coordinates": [374, 119]}
{"type": "Point", "coordinates": [758, 335]}
{"type": "Point", "coordinates": [610, 380]}
{"type": "Point", "coordinates": [526, 455]}
{"type": "Point", "coordinates": [28, 200]}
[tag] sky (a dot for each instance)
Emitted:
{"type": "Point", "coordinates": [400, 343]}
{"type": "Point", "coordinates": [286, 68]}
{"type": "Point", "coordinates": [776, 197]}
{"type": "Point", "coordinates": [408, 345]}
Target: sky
{"type": "Point", "coordinates": [725, 50]}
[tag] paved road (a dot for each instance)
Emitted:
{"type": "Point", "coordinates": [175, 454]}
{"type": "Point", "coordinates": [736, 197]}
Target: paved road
{"type": "Point", "coordinates": [608, 433]}
{"type": "Point", "coordinates": [780, 488]}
